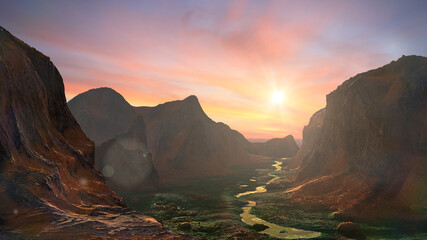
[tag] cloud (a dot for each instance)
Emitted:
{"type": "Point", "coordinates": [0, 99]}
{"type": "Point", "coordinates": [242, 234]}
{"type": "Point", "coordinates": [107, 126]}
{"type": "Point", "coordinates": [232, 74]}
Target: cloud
{"type": "Point", "coordinates": [232, 54]}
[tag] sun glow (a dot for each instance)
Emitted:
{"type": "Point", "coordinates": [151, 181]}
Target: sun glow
{"type": "Point", "coordinates": [277, 97]}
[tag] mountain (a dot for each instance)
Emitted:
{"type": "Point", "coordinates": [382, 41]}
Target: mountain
{"type": "Point", "coordinates": [102, 105]}
{"type": "Point", "coordinates": [183, 141]}
{"type": "Point", "coordinates": [276, 147]}
{"type": "Point", "coordinates": [120, 136]}
{"type": "Point", "coordinates": [310, 135]}
{"type": "Point", "coordinates": [126, 161]}
{"type": "Point", "coordinates": [49, 187]}
{"type": "Point", "coordinates": [365, 154]}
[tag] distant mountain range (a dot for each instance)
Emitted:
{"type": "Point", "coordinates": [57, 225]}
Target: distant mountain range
{"type": "Point", "coordinates": [365, 154]}
{"type": "Point", "coordinates": [276, 147]}
{"type": "Point", "coordinates": [182, 140]}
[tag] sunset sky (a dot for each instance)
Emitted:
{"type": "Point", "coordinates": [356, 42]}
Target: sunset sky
{"type": "Point", "coordinates": [233, 55]}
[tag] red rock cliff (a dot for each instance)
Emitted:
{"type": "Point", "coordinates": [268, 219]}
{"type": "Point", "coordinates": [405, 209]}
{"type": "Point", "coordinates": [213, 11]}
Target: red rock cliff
{"type": "Point", "coordinates": [49, 187]}
{"type": "Point", "coordinates": [366, 154]}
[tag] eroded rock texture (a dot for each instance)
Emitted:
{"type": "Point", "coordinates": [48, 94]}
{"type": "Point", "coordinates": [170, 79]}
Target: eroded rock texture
{"type": "Point", "coordinates": [49, 187]}
{"type": "Point", "coordinates": [365, 154]}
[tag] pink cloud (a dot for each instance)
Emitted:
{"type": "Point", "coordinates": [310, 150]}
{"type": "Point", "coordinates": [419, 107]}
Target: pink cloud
{"type": "Point", "coordinates": [233, 60]}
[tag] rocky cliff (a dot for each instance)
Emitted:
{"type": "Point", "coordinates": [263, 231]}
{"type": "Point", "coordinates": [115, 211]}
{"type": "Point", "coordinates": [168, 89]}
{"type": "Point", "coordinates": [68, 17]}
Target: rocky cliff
{"type": "Point", "coordinates": [120, 136]}
{"type": "Point", "coordinates": [183, 140]}
{"type": "Point", "coordinates": [276, 147]}
{"type": "Point", "coordinates": [102, 114]}
{"type": "Point", "coordinates": [365, 154]}
{"type": "Point", "coordinates": [49, 187]}
{"type": "Point", "coordinates": [310, 136]}
{"type": "Point", "coordinates": [126, 161]}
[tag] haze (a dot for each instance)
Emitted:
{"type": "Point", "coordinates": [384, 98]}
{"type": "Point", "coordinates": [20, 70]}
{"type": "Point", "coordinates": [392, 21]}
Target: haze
{"type": "Point", "coordinates": [233, 55]}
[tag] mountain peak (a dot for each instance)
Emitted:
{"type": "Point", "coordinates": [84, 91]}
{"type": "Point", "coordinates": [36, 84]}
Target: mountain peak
{"type": "Point", "coordinates": [99, 103]}
{"type": "Point", "coordinates": [102, 94]}
{"type": "Point", "coordinates": [103, 90]}
{"type": "Point", "coordinates": [192, 104]}
{"type": "Point", "coordinates": [191, 99]}
{"type": "Point", "coordinates": [381, 77]}
{"type": "Point", "coordinates": [408, 62]}
{"type": "Point", "coordinates": [410, 57]}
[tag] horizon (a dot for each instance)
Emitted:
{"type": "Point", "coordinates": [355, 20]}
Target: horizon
{"type": "Point", "coordinates": [254, 140]}
{"type": "Point", "coordinates": [165, 119]}
{"type": "Point", "coordinates": [261, 68]}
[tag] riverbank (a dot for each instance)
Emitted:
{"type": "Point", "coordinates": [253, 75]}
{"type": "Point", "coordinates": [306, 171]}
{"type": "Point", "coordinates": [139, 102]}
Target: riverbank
{"type": "Point", "coordinates": [272, 230]}
{"type": "Point", "coordinates": [272, 206]}
{"type": "Point", "coordinates": [209, 208]}
{"type": "Point", "coordinates": [208, 205]}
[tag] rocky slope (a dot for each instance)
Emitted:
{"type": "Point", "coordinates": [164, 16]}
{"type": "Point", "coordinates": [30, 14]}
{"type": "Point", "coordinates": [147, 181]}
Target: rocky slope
{"type": "Point", "coordinates": [102, 114]}
{"type": "Point", "coordinates": [365, 154]}
{"type": "Point", "coordinates": [126, 161]}
{"type": "Point", "coordinates": [49, 187]}
{"type": "Point", "coordinates": [276, 147]}
{"type": "Point", "coordinates": [120, 136]}
{"type": "Point", "coordinates": [183, 140]}
{"type": "Point", "coordinates": [310, 135]}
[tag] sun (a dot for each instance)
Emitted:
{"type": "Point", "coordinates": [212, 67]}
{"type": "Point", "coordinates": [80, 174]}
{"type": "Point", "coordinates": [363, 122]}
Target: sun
{"type": "Point", "coordinates": [277, 97]}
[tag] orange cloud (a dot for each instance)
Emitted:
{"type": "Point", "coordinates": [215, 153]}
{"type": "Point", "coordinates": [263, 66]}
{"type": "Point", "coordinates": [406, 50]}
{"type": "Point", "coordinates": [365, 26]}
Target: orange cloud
{"type": "Point", "coordinates": [233, 59]}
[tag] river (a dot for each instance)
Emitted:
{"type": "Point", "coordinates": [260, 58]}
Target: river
{"type": "Point", "coordinates": [273, 230]}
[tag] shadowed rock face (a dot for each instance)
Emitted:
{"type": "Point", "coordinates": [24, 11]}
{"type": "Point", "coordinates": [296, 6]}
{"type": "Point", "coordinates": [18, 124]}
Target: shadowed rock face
{"type": "Point", "coordinates": [365, 154]}
{"type": "Point", "coordinates": [49, 187]}
{"type": "Point", "coordinates": [126, 161]}
{"type": "Point", "coordinates": [120, 137]}
{"type": "Point", "coordinates": [276, 147]}
{"type": "Point", "coordinates": [310, 135]}
{"type": "Point", "coordinates": [102, 114]}
{"type": "Point", "coordinates": [183, 140]}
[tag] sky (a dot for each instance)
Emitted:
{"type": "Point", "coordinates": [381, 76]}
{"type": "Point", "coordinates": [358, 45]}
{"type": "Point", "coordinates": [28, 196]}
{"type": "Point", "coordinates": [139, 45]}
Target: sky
{"type": "Point", "coordinates": [233, 55]}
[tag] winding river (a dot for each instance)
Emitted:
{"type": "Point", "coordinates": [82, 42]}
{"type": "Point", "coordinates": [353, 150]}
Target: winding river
{"type": "Point", "coordinates": [273, 230]}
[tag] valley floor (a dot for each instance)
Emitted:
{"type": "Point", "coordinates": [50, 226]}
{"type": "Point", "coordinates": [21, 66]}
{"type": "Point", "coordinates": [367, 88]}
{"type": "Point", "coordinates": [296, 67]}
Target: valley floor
{"type": "Point", "coordinates": [209, 208]}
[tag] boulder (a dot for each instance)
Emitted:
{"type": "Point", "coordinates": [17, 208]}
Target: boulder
{"type": "Point", "coordinates": [184, 226]}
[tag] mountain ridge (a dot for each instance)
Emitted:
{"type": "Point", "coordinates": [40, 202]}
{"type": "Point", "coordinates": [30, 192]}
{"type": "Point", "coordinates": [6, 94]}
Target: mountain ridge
{"type": "Point", "coordinates": [186, 142]}
{"type": "Point", "coordinates": [368, 145]}
{"type": "Point", "coordinates": [49, 186]}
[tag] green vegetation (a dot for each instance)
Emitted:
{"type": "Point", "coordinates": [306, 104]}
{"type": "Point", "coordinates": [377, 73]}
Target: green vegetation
{"type": "Point", "coordinates": [208, 208]}
{"type": "Point", "coordinates": [273, 207]}
{"type": "Point", "coordinates": [204, 207]}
